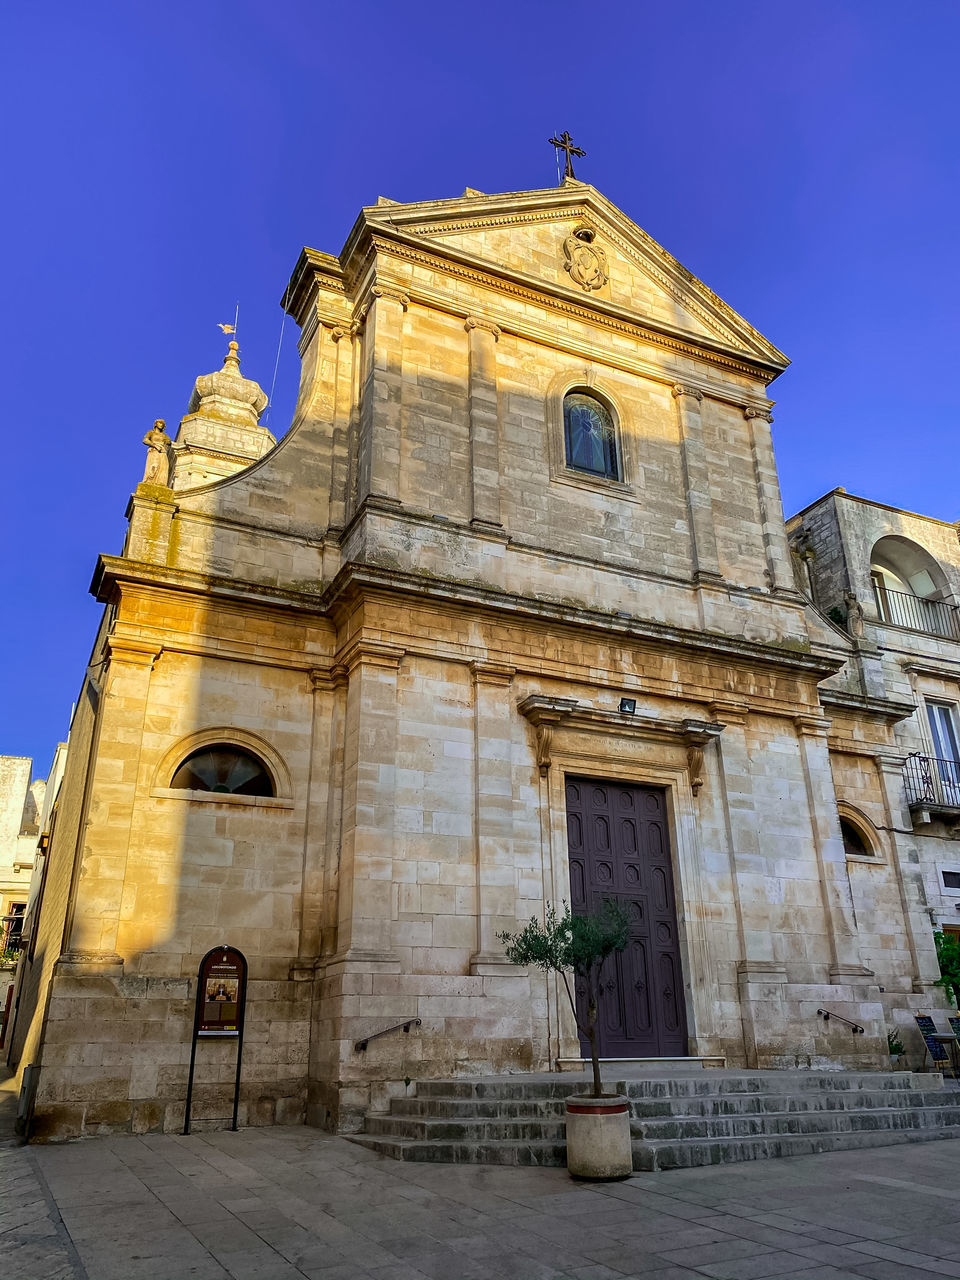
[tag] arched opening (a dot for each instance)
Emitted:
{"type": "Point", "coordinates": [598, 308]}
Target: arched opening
{"type": "Point", "coordinates": [911, 589]}
{"type": "Point", "coordinates": [590, 435]}
{"type": "Point", "coordinates": [855, 841]}
{"type": "Point", "coordinates": [223, 767]}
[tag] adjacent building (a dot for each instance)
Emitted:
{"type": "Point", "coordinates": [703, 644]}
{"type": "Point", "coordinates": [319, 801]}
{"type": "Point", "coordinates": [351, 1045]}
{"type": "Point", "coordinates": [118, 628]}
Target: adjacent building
{"type": "Point", "coordinates": [891, 579]}
{"type": "Point", "coordinates": [508, 617]}
{"type": "Point", "coordinates": [21, 799]}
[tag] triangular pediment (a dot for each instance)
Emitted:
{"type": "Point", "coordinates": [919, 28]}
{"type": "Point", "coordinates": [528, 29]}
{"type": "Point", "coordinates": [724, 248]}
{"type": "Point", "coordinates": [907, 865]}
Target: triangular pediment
{"type": "Point", "coordinates": [530, 235]}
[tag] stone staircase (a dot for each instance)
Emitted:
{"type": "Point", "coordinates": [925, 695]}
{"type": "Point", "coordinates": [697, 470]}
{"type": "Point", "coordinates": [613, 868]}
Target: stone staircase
{"type": "Point", "coordinates": [677, 1120]}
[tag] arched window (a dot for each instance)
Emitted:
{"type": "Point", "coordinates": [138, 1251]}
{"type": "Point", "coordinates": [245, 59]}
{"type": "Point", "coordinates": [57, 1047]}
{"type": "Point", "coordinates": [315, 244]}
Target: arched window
{"type": "Point", "coordinates": [854, 841]}
{"type": "Point", "coordinates": [590, 435]}
{"type": "Point", "coordinates": [911, 588]}
{"type": "Point", "coordinates": [225, 768]}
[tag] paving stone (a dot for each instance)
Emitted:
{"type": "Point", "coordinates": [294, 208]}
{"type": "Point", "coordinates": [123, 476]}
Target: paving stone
{"type": "Point", "coordinates": [470, 1223]}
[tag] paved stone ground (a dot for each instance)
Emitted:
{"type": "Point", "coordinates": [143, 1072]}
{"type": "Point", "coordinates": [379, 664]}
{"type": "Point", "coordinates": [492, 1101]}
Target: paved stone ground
{"type": "Point", "coordinates": [288, 1203]}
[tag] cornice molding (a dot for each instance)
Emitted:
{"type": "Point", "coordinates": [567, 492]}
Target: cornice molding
{"type": "Point", "coordinates": [580, 202]}
{"type": "Point", "coordinates": [939, 670]}
{"type": "Point", "coordinates": [888, 710]}
{"type": "Point", "coordinates": [603, 314]}
{"type": "Point", "coordinates": [546, 714]}
{"type": "Point", "coordinates": [118, 571]}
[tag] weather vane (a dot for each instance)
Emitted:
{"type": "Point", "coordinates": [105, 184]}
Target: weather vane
{"type": "Point", "coordinates": [565, 143]}
{"type": "Point", "coordinates": [231, 328]}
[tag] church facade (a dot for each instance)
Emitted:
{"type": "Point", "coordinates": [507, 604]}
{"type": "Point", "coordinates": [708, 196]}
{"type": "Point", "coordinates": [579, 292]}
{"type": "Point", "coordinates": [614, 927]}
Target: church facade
{"type": "Point", "coordinates": [508, 617]}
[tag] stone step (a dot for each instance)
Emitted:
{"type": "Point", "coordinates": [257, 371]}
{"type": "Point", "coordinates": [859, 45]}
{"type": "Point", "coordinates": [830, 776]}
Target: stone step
{"type": "Point", "coordinates": [647, 1156]}
{"type": "Point", "coordinates": [549, 1154]}
{"type": "Point", "coordinates": [522, 1108]}
{"type": "Point", "coordinates": [672, 1128]}
{"type": "Point", "coordinates": [793, 1122]}
{"type": "Point", "coordinates": [660, 1156]}
{"type": "Point", "coordinates": [676, 1122]}
{"type": "Point", "coordinates": [701, 1084]}
{"type": "Point", "coordinates": [685, 1106]}
{"type": "Point", "coordinates": [467, 1129]}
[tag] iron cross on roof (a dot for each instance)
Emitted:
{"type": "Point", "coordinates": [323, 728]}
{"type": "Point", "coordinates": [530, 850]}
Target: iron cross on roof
{"type": "Point", "coordinates": [565, 143]}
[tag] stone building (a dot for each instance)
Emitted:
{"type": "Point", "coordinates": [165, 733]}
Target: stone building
{"type": "Point", "coordinates": [21, 798]}
{"type": "Point", "coordinates": [507, 617]}
{"type": "Point", "coordinates": [892, 578]}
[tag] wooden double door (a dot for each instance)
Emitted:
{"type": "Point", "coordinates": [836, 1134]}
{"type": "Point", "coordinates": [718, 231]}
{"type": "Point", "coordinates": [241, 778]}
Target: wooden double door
{"type": "Point", "coordinates": [619, 848]}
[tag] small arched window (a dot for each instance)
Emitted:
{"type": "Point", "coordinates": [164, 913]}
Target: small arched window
{"type": "Point", "coordinates": [590, 435]}
{"type": "Point", "coordinates": [225, 768]}
{"type": "Point", "coordinates": [854, 842]}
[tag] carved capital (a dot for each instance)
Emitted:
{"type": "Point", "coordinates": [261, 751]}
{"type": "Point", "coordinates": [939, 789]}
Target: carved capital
{"type": "Point", "coordinates": [395, 295]}
{"type": "Point", "coordinates": [474, 322]}
{"type": "Point", "coordinates": [890, 762]}
{"type": "Point", "coordinates": [135, 652]}
{"type": "Point", "coordinates": [497, 673]}
{"type": "Point", "coordinates": [810, 725]}
{"type": "Point", "coordinates": [341, 331]}
{"type": "Point", "coordinates": [729, 712]}
{"type": "Point", "coordinates": [371, 653]}
{"type": "Point", "coordinates": [757, 411]}
{"type": "Point", "coordinates": [330, 678]}
{"type": "Point", "coordinates": [685, 389]}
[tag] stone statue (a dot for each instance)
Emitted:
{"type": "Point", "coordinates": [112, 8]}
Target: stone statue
{"type": "Point", "coordinates": [157, 470]}
{"type": "Point", "coordinates": [854, 615]}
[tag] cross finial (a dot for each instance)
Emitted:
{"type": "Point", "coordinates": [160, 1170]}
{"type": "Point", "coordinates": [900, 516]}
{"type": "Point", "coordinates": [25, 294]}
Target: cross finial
{"type": "Point", "coordinates": [565, 143]}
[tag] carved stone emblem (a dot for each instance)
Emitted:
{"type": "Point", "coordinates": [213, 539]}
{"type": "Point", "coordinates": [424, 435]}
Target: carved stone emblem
{"type": "Point", "coordinates": [586, 261]}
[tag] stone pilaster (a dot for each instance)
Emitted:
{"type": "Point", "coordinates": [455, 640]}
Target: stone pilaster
{"type": "Point", "coordinates": [696, 477]}
{"type": "Point", "coordinates": [344, 339]}
{"type": "Point", "coordinates": [846, 961]}
{"type": "Point", "coordinates": [321, 795]}
{"type": "Point", "coordinates": [150, 512]}
{"type": "Point", "coordinates": [365, 881]}
{"type": "Point", "coordinates": [381, 416]}
{"type": "Point", "coordinates": [740, 819]}
{"type": "Point", "coordinates": [776, 547]}
{"type": "Point", "coordinates": [104, 836]}
{"type": "Point", "coordinates": [496, 876]}
{"type": "Point", "coordinates": [484, 423]}
{"type": "Point", "coordinates": [906, 862]}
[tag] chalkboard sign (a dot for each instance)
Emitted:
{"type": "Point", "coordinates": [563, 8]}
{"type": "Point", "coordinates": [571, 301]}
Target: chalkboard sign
{"type": "Point", "coordinates": [928, 1030]}
{"type": "Point", "coordinates": [955, 1025]}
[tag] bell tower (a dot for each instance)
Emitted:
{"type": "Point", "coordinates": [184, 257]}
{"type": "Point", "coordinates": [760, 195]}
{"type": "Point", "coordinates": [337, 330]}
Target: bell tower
{"type": "Point", "coordinates": [221, 432]}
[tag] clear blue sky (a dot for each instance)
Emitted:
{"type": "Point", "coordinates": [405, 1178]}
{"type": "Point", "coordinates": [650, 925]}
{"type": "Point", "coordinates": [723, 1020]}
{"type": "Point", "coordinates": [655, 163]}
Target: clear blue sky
{"type": "Point", "coordinates": [162, 161]}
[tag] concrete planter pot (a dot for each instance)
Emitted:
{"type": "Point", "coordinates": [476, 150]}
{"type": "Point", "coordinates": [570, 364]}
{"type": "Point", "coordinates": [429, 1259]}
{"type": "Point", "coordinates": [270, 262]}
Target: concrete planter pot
{"type": "Point", "coordinates": [598, 1137]}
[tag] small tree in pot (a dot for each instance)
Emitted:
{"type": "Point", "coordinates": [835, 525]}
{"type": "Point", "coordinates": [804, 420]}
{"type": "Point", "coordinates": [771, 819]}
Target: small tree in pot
{"type": "Point", "coordinates": [598, 1124]}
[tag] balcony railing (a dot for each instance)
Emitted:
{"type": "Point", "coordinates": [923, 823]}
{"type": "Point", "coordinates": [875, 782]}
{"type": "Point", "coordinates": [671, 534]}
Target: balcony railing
{"type": "Point", "coordinates": [935, 617]}
{"type": "Point", "coordinates": [932, 783]}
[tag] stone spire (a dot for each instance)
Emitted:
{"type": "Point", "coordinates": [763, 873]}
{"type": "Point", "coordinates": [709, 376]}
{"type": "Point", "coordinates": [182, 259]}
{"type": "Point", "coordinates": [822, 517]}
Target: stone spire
{"type": "Point", "coordinates": [221, 432]}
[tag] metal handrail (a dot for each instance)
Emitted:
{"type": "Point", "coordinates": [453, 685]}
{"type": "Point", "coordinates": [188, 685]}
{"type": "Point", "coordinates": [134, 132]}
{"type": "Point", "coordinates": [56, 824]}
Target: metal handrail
{"type": "Point", "coordinates": [826, 1015]}
{"type": "Point", "coordinates": [360, 1045]}
{"type": "Point", "coordinates": [902, 609]}
{"type": "Point", "coordinates": [930, 780]}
